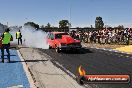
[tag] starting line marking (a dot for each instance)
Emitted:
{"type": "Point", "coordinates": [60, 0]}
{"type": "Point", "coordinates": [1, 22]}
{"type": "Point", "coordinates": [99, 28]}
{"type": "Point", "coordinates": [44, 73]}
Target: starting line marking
{"type": "Point", "coordinates": [18, 86]}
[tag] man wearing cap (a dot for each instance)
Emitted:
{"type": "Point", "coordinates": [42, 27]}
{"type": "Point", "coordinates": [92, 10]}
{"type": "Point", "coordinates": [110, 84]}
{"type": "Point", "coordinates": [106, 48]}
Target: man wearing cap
{"type": "Point", "coordinates": [6, 38]}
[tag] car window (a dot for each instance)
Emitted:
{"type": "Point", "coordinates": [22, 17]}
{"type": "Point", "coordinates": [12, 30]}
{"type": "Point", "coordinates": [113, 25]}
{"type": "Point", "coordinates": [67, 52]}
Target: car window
{"type": "Point", "coordinates": [48, 36]}
{"type": "Point", "coordinates": [51, 36]}
{"type": "Point", "coordinates": [59, 36]}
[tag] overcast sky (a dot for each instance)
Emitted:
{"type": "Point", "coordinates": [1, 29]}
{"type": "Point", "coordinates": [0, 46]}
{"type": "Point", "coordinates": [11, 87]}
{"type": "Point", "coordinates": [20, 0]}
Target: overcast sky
{"type": "Point", "coordinates": [83, 12]}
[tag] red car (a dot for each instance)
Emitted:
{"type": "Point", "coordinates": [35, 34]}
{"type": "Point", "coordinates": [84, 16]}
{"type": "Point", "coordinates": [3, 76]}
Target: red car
{"type": "Point", "coordinates": [63, 41]}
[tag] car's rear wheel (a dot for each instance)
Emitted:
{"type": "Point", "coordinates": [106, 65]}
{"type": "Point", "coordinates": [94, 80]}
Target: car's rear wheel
{"type": "Point", "coordinates": [57, 49]}
{"type": "Point", "coordinates": [50, 47]}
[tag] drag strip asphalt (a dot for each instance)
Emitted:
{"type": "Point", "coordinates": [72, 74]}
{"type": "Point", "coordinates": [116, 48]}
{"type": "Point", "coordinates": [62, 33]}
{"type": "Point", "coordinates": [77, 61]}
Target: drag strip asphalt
{"type": "Point", "coordinates": [94, 61]}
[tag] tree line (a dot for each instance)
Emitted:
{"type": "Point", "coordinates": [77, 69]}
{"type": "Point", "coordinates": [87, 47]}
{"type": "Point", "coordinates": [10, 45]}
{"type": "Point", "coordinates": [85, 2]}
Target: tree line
{"type": "Point", "coordinates": [64, 25]}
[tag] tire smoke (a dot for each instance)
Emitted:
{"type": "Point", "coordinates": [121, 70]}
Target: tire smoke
{"type": "Point", "coordinates": [33, 38]}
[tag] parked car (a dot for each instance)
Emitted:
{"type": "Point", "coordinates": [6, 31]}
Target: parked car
{"type": "Point", "coordinates": [62, 41]}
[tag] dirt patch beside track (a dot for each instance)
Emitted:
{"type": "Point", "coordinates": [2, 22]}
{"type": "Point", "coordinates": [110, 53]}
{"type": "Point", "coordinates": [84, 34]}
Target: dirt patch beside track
{"type": "Point", "coordinates": [108, 46]}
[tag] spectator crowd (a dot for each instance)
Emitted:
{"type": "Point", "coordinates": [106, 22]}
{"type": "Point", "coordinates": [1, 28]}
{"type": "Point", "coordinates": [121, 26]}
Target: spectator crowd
{"type": "Point", "coordinates": [104, 36]}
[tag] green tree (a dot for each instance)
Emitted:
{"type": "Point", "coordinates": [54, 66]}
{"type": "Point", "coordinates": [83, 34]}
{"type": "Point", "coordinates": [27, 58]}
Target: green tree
{"type": "Point", "coordinates": [99, 22]}
{"type": "Point", "coordinates": [42, 26]}
{"type": "Point", "coordinates": [120, 27]}
{"type": "Point", "coordinates": [32, 24]}
{"type": "Point", "coordinates": [64, 24]}
{"type": "Point", "coordinates": [48, 25]}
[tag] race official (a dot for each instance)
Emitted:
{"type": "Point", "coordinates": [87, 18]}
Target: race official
{"type": "Point", "coordinates": [6, 38]}
{"type": "Point", "coordinates": [19, 37]}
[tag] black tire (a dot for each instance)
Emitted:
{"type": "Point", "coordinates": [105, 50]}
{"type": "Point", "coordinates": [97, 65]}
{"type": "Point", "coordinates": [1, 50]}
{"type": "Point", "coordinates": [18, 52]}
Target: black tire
{"type": "Point", "coordinates": [50, 47]}
{"type": "Point", "coordinates": [57, 49]}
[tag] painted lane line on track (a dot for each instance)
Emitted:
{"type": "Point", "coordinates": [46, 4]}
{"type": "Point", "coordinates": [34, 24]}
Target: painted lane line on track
{"type": "Point", "coordinates": [18, 86]}
{"type": "Point", "coordinates": [121, 55]}
{"type": "Point", "coordinates": [127, 56]}
{"type": "Point", "coordinates": [62, 72]}
{"type": "Point", "coordinates": [25, 67]}
{"type": "Point", "coordinates": [71, 74]}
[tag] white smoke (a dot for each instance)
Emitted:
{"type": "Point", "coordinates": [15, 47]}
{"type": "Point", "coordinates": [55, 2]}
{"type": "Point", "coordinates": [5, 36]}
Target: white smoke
{"type": "Point", "coordinates": [33, 38]}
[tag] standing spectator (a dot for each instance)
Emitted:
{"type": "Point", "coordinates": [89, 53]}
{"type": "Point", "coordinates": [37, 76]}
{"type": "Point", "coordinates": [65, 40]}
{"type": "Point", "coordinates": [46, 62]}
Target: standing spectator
{"type": "Point", "coordinates": [94, 36]}
{"type": "Point", "coordinates": [90, 37]}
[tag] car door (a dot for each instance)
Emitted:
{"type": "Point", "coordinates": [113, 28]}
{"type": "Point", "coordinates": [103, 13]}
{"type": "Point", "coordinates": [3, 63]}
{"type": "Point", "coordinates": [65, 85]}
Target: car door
{"type": "Point", "coordinates": [51, 40]}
